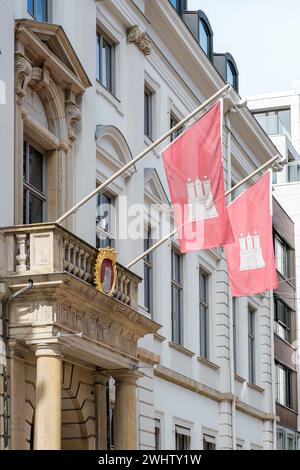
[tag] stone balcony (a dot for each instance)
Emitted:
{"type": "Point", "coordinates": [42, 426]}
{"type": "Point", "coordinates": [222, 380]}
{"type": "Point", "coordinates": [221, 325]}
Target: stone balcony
{"type": "Point", "coordinates": [64, 302]}
{"type": "Point", "coordinates": [49, 248]}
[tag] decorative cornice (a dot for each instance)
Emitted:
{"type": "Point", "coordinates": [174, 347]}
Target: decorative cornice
{"type": "Point", "coordinates": [148, 357]}
{"type": "Point", "coordinates": [135, 35]}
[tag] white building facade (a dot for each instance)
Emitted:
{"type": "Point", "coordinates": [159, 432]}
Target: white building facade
{"type": "Point", "coordinates": [90, 84]}
{"type": "Point", "coordinates": [279, 115]}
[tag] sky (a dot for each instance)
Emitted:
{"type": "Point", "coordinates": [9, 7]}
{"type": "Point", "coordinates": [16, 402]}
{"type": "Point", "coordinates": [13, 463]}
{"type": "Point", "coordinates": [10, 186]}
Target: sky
{"type": "Point", "coordinates": [264, 38]}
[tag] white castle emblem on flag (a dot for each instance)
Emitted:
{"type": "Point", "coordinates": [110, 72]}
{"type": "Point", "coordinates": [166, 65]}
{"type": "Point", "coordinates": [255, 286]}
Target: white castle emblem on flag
{"type": "Point", "coordinates": [251, 256]}
{"type": "Point", "coordinates": [200, 199]}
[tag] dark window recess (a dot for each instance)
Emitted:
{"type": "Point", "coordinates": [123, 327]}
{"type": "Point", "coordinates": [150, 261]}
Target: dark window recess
{"type": "Point", "coordinates": [104, 61]}
{"type": "Point", "coordinates": [282, 314]}
{"type": "Point", "coordinates": [204, 314]}
{"type": "Point", "coordinates": [148, 278]}
{"type": "Point", "coordinates": [176, 286]}
{"type": "Point", "coordinates": [148, 103]}
{"type": "Point", "coordinates": [104, 237]}
{"type": "Point", "coordinates": [34, 193]}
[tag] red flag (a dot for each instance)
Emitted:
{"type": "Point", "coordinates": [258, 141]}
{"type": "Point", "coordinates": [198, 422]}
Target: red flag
{"type": "Point", "coordinates": [250, 259]}
{"type": "Point", "coordinates": [193, 164]}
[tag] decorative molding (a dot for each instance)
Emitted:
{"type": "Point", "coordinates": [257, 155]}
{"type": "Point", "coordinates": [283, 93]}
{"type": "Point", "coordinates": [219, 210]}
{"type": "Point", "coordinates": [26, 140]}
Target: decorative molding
{"type": "Point", "coordinates": [240, 379]}
{"type": "Point", "coordinates": [206, 362]}
{"type": "Point", "coordinates": [135, 35]}
{"type": "Point", "coordinates": [23, 70]}
{"type": "Point", "coordinates": [73, 116]}
{"type": "Point", "coordinates": [256, 387]}
{"type": "Point", "coordinates": [148, 357]}
{"type": "Point", "coordinates": [181, 349]}
{"type": "Point", "coordinates": [159, 338]}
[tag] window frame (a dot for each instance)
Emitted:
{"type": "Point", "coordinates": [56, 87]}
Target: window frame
{"type": "Point", "coordinates": [204, 319]}
{"type": "Point", "coordinates": [174, 120]}
{"type": "Point", "coordinates": [209, 442]}
{"type": "Point", "coordinates": [148, 112]}
{"type": "Point", "coordinates": [34, 11]}
{"type": "Point", "coordinates": [29, 188]}
{"type": "Point", "coordinates": [148, 265]}
{"type": "Point", "coordinates": [287, 391]}
{"type": "Point", "coordinates": [284, 323]}
{"type": "Point", "coordinates": [234, 331]}
{"type": "Point", "coordinates": [286, 264]}
{"type": "Point", "coordinates": [102, 37]}
{"type": "Point", "coordinates": [183, 437]}
{"type": "Point", "coordinates": [251, 345]}
{"type": "Point", "coordinates": [176, 285]}
{"type": "Point", "coordinates": [106, 234]}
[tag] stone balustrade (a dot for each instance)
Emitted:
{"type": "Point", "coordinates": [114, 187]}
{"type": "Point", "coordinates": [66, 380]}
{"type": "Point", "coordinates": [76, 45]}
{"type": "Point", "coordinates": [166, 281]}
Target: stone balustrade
{"type": "Point", "coordinates": [49, 248]}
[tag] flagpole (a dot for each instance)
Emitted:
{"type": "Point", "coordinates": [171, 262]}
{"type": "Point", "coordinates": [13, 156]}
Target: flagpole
{"type": "Point", "coordinates": [174, 232]}
{"type": "Point", "coordinates": [100, 188]}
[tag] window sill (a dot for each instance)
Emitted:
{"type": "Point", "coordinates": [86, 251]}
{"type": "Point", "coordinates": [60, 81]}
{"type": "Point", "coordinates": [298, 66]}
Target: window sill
{"type": "Point", "coordinates": [101, 90]}
{"type": "Point", "coordinates": [208, 363]}
{"type": "Point", "coordinates": [255, 387]}
{"type": "Point", "coordinates": [287, 408]}
{"type": "Point", "coordinates": [159, 337]}
{"type": "Point", "coordinates": [240, 379]}
{"type": "Point", "coordinates": [181, 349]}
{"type": "Point", "coordinates": [285, 341]}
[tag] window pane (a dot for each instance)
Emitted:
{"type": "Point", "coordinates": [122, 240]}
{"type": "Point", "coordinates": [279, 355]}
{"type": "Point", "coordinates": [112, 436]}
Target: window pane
{"type": "Point", "coordinates": [174, 3]}
{"type": "Point", "coordinates": [41, 10]}
{"type": "Point", "coordinates": [106, 65]}
{"type": "Point", "coordinates": [176, 314]}
{"type": "Point", "coordinates": [157, 435]}
{"type": "Point", "coordinates": [147, 287]}
{"type": "Point", "coordinates": [203, 37]}
{"type": "Point", "coordinates": [230, 74]}
{"type": "Point", "coordinates": [35, 168]}
{"type": "Point", "coordinates": [98, 57]}
{"type": "Point", "coordinates": [35, 210]}
{"type": "Point", "coordinates": [176, 268]}
{"type": "Point", "coordinates": [234, 307]}
{"type": "Point", "coordinates": [284, 121]}
{"type": "Point", "coordinates": [203, 286]}
{"type": "Point", "coordinates": [203, 331]}
{"type": "Point", "coordinates": [25, 161]}
{"type": "Point", "coordinates": [30, 7]}
{"type": "Point", "coordinates": [147, 114]}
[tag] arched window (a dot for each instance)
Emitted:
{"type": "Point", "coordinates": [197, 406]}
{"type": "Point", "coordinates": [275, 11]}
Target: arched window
{"type": "Point", "coordinates": [204, 37]}
{"type": "Point", "coordinates": [231, 74]}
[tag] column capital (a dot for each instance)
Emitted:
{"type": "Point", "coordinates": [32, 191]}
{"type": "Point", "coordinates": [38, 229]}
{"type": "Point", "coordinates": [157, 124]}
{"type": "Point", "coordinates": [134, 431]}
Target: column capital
{"type": "Point", "coordinates": [126, 376]}
{"type": "Point", "coordinates": [48, 349]}
{"type": "Point", "coordinates": [17, 348]}
{"type": "Point", "coordinates": [101, 377]}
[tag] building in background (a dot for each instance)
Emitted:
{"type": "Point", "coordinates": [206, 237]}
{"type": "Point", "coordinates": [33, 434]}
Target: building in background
{"type": "Point", "coordinates": [279, 116]}
{"type": "Point", "coordinates": [89, 85]}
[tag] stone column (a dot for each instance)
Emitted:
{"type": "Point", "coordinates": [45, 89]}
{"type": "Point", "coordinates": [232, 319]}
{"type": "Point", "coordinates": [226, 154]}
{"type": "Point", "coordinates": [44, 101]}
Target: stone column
{"type": "Point", "coordinates": [17, 352]}
{"type": "Point", "coordinates": [47, 423]}
{"type": "Point", "coordinates": [125, 410]}
{"type": "Point", "coordinates": [101, 381]}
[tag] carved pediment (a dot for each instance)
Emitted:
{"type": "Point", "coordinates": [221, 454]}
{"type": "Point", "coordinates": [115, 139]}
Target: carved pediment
{"type": "Point", "coordinates": [46, 44]}
{"type": "Point", "coordinates": [154, 189]}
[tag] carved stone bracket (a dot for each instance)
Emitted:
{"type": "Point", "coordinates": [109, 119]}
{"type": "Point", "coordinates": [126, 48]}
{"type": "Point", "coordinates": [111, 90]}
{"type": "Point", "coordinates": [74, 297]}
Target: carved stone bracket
{"type": "Point", "coordinates": [23, 70]}
{"type": "Point", "coordinates": [73, 116]}
{"type": "Point", "coordinates": [135, 35]}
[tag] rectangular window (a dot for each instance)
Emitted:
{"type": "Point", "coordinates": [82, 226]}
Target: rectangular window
{"type": "Point", "coordinates": [204, 314]}
{"type": "Point", "coordinates": [251, 345]}
{"type": "Point", "coordinates": [157, 434]}
{"type": "Point", "coordinates": [282, 256]}
{"type": "Point", "coordinates": [277, 122]}
{"type": "Point", "coordinates": [104, 219]}
{"type": "Point", "coordinates": [173, 122]}
{"type": "Point", "coordinates": [209, 442]}
{"type": "Point", "coordinates": [34, 190]}
{"type": "Point", "coordinates": [182, 438]}
{"type": "Point", "coordinates": [282, 315]}
{"type": "Point", "coordinates": [38, 9]}
{"type": "Point", "coordinates": [148, 278]}
{"type": "Point", "coordinates": [148, 102]}
{"type": "Point", "coordinates": [176, 297]}
{"type": "Point", "coordinates": [234, 311]}
{"type": "Point", "coordinates": [283, 385]}
{"type": "Point", "coordinates": [104, 61]}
